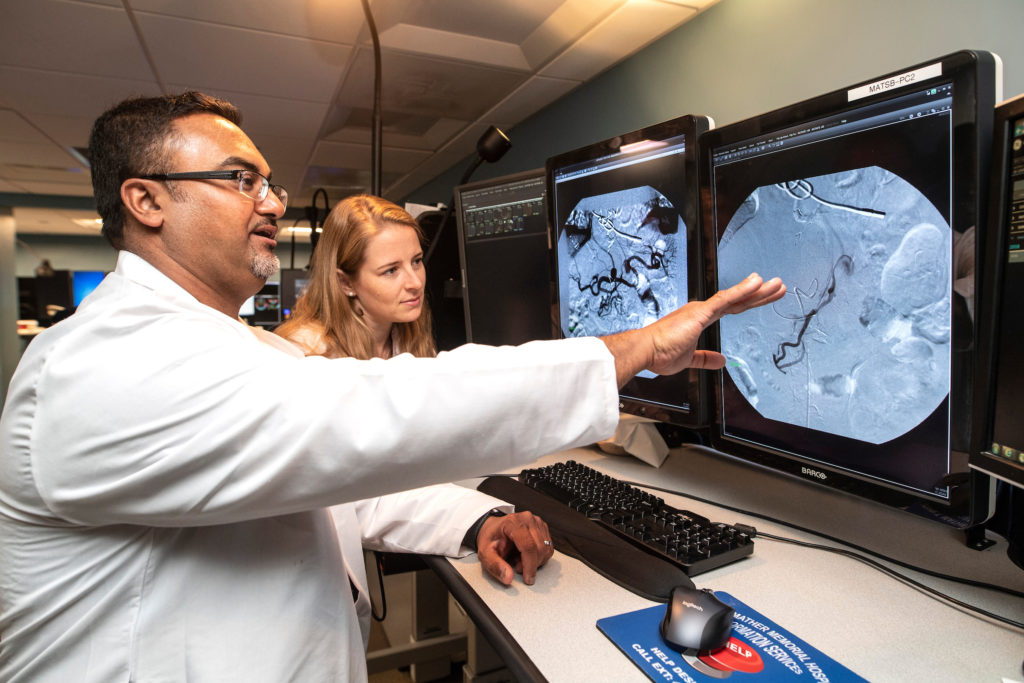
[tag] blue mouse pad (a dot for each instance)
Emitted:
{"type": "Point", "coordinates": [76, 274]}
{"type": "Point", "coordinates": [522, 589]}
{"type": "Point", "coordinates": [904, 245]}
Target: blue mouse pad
{"type": "Point", "coordinates": [758, 648]}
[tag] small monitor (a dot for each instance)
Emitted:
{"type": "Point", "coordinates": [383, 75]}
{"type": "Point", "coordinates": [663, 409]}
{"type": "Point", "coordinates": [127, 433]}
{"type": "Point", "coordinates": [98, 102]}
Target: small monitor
{"type": "Point", "coordinates": [265, 306]}
{"type": "Point", "coordinates": [624, 214]}
{"type": "Point", "coordinates": [293, 283]}
{"type": "Point", "coordinates": [1001, 405]}
{"type": "Point", "coordinates": [865, 201]}
{"type": "Point", "coordinates": [503, 247]}
{"type": "Point", "coordinates": [83, 282]}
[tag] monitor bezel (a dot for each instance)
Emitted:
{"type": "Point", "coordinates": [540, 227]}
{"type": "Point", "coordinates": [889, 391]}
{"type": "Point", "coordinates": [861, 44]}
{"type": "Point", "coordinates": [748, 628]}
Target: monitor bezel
{"type": "Point", "coordinates": [992, 297]}
{"type": "Point", "coordinates": [692, 126]}
{"type": "Point", "coordinates": [531, 174]}
{"type": "Point", "coordinates": [974, 75]}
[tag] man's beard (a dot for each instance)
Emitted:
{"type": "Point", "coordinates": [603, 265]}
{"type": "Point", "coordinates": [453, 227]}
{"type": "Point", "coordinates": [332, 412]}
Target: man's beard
{"type": "Point", "coordinates": [263, 264]}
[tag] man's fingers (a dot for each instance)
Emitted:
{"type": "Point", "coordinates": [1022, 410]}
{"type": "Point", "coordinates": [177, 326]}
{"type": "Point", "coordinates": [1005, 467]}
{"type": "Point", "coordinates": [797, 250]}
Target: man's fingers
{"type": "Point", "coordinates": [522, 539]}
{"type": "Point", "coordinates": [707, 360]}
{"type": "Point", "coordinates": [499, 569]}
{"type": "Point", "coordinates": [746, 295]}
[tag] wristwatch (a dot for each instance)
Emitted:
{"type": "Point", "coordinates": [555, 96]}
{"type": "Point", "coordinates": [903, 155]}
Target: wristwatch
{"type": "Point", "coordinates": [469, 540]}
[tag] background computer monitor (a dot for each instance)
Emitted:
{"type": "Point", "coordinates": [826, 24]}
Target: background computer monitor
{"type": "Point", "coordinates": [505, 257]}
{"type": "Point", "coordinates": [624, 214]}
{"type": "Point", "coordinates": [293, 283]}
{"type": "Point", "coordinates": [1001, 404]}
{"type": "Point", "coordinates": [865, 202]}
{"type": "Point", "coordinates": [83, 282]}
{"type": "Point", "coordinates": [264, 308]}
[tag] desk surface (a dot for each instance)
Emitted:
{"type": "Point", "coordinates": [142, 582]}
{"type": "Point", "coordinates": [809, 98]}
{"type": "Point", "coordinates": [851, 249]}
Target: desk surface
{"type": "Point", "coordinates": [878, 626]}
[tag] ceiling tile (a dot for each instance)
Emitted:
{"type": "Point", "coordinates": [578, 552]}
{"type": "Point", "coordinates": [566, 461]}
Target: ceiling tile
{"type": "Point", "coordinates": [211, 56]}
{"type": "Point", "coordinates": [68, 131]}
{"type": "Point", "coordinates": [457, 46]}
{"type": "Point", "coordinates": [30, 91]}
{"type": "Point", "coordinates": [508, 21]}
{"type": "Point", "coordinates": [627, 30]}
{"type": "Point", "coordinates": [572, 20]}
{"type": "Point", "coordinates": [329, 20]}
{"type": "Point", "coordinates": [429, 86]}
{"type": "Point", "coordinates": [55, 35]}
{"type": "Point", "coordinates": [529, 98]}
{"type": "Point", "coordinates": [32, 155]}
{"type": "Point", "coordinates": [65, 189]}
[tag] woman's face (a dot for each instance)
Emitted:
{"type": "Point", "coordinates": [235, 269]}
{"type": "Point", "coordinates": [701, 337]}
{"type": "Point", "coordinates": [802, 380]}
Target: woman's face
{"type": "Point", "coordinates": [389, 283]}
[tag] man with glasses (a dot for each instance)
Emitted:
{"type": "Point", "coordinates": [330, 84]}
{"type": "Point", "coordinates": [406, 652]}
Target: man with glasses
{"type": "Point", "coordinates": [182, 497]}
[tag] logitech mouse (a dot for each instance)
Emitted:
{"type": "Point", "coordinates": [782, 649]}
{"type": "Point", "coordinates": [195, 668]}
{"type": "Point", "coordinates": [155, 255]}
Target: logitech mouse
{"type": "Point", "coordinates": [696, 620]}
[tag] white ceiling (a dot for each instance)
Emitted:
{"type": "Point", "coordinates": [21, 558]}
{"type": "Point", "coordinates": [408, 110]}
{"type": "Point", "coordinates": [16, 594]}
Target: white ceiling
{"type": "Point", "coordinates": [302, 73]}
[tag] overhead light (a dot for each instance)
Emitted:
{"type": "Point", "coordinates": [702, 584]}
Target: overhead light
{"type": "Point", "coordinates": [302, 230]}
{"type": "Point", "coordinates": [90, 223]}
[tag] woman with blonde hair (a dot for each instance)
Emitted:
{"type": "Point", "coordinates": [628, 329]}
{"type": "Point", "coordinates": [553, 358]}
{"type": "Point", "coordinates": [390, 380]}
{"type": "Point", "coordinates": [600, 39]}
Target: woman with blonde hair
{"type": "Point", "coordinates": [365, 298]}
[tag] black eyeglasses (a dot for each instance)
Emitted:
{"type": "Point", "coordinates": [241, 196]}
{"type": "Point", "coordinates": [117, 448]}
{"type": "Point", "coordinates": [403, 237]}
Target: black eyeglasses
{"type": "Point", "coordinates": [250, 183]}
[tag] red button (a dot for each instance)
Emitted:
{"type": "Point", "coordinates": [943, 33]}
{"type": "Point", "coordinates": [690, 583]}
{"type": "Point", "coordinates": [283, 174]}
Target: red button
{"type": "Point", "coordinates": [735, 656]}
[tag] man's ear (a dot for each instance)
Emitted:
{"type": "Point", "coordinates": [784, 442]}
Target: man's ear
{"type": "Point", "coordinates": [143, 199]}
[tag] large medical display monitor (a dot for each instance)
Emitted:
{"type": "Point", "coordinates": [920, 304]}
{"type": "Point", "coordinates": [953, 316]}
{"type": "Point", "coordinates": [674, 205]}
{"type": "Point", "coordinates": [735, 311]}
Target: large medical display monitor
{"type": "Point", "coordinates": [1001, 404]}
{"type": "Point", "coordinates": [865, 201]}
{"type": "Point", "coordinates": [505, 259]}
{"type": "Point", "coordinates": [624, 214]}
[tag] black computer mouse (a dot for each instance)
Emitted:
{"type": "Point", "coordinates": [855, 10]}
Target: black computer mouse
{"type": "Point", "coordinates": [696, 620]}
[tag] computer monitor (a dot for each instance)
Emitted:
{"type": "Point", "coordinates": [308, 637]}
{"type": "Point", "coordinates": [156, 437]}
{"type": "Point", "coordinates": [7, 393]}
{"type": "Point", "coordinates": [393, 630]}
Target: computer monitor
{"type": "Point", "coordinates": [1001, 404]}
{"type": "Point", "coordinates": [264, 308]}
{"type": "Point", "coordinates": [505, 258]}
{"type": "Point", "coordinates": [293, 283]}
{"type": "Point", "coordinates": [624, 214]}
{"type": "Point", "coordinates": [54, 296]}
{"type": "Point", "coordinates": [865, 201]}
{"type": "Point", "coordinates": [83, 282]}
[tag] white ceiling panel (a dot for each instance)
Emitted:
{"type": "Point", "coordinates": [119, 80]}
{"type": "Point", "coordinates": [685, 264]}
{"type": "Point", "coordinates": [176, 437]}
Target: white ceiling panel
{"type": "Point", "coordinates": [56, 35]}
{"type": "Point", "coordinates": [36, 154]}
{"type": "Point", "coordinates": [60, 189]}
{"type": "Point", "coordinates": [31, 91]}
{"type": "Point", "coordinates": [429, 86]}
{"type": "Point", "coordinates": [631, 27]}
{"type": "Point", "coordinates": [302, 73]}
{"type": "Point", "coordinates": [507, 22]}
{"type": "Point", "coordinates": [207, 55]}
{"type": "Point", "coordinates": [328, 20]}
{"type": "Point", "coordinates": [52, 221]}
{"type": "Point", "coordinates": [529, 98]}
{"type": "Point", "coordinates": [67, 131]}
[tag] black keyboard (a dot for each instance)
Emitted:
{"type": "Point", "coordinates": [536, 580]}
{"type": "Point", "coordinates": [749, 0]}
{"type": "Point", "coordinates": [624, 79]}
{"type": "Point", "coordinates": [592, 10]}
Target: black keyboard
{"type": "Point", "coordinates": [688, 540]}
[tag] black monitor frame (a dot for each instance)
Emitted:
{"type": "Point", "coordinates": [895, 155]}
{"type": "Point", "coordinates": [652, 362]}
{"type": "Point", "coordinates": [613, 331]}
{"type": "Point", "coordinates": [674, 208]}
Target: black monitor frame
{"type": "Point", "coordinates": [680, 399]}
{"type": "Point", "coordinates": [293, 282]}
{"type": "Point", "coordinates": [999, 420]}
{"type": "Point", "coordinates": [959, 498]}
{"type": "Point", "coordinates": [505, 259]}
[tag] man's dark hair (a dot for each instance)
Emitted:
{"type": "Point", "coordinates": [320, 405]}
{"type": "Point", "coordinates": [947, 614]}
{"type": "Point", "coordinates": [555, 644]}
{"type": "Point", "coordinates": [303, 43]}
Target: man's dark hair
{"type": "Point", "coordinates": [129, 140]}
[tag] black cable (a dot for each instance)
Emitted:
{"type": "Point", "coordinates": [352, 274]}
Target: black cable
{"type": "Point", "coordinates": [868, 551]}
{"type": "Point", "coordinates": [315, 222]}
{"type": "Point", "coordinates": [866, 560]}
{"type": "Point", "coordinates": [375, 140]}
{"type": "Point", "coordinates": [380, 582]}
{"type": "Point", "coordinates": [896, 575]}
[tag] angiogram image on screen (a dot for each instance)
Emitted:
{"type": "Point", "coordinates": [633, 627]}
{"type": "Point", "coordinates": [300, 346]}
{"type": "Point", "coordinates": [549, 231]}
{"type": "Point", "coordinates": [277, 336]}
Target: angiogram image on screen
{"type": "Point", "coordinates": [860, 345]}
{"type": "Point", "coordinates": [624, 261]}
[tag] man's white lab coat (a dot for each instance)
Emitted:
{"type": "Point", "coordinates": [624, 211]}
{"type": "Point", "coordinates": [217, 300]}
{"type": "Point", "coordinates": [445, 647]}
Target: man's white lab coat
{"type": "Point", "coordinates": [172, 483]}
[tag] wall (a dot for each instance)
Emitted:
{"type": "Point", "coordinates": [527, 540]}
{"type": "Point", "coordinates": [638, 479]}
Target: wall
{"type": "Point", "coordinates": [745, 57]}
